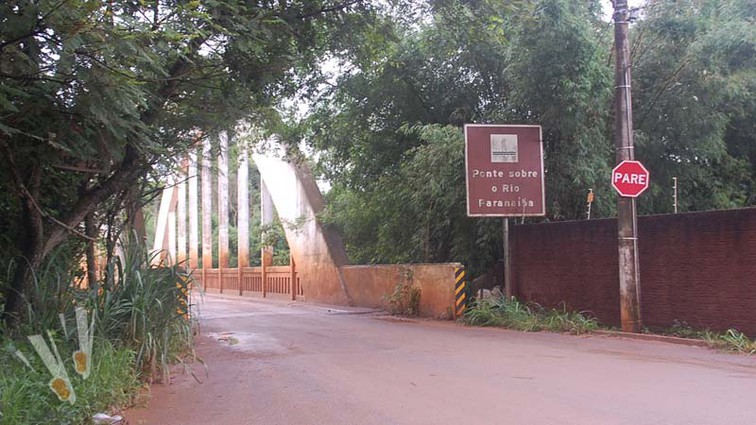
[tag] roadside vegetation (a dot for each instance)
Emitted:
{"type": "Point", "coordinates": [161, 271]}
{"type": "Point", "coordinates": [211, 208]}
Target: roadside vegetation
{"type": "Point", "coordinates": [404, 300]}
{"type": "Point", "coordinates": [529, 317]}
{"type": "Point", "coordinates": [510, 313]}
{"type": "Point", "coordinates": [139, 329]}
{"type": "Point", "coordinates": [731, 340]}
{"type": "Point", "coordinates": [389, 131]}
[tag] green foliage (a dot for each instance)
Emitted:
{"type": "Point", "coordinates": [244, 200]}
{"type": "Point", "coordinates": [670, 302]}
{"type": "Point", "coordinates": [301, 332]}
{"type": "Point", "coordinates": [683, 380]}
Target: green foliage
{"type": "Point", "coordinates": [389, 133]}
{"type": "Point", "coordinates": [732, 340]}
{"type": "Point", "coordinates": [560, 80]}
{"type": "Point", "coordinates": [98, 98]}
{"type": "Point", "coordinates": [53, 292]}
{"type": "Point", "coordinates": [140, 307]}
{"type": "Point", "coordinates": [26, 399]}
{"type": "Point", "coordinates": [694, 79]}
{"type": "Point", "coordinates": [404, 300]}
{"type": "Point", "coordinates": [138, 332]}
{"type": "Point", "coordinates": [386, 137]}
{"type": "Point", "coordinates": [513, 314]}
{"type": "Point", "coordinates": [417, 213]}
{"type": "Point", "coordinates": [738, 342]}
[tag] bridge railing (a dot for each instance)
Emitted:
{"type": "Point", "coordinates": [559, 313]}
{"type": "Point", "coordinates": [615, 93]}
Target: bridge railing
{"type": "Point", "coordinates": [251, 281]}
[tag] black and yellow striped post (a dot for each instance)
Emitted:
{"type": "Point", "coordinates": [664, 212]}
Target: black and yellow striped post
{"type": "Point", "coordinates": [460, 289]}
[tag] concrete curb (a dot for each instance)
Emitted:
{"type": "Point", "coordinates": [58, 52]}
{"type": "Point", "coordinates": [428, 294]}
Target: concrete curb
{"type": "Point", "coordinates": [652, 337]}
{"type": "Point", "coordinates": [275, 300]}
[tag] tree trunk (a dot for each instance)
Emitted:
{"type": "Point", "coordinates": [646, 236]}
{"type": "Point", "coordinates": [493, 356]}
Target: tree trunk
{"type": "Point", "coordinates": [31, 243]}
{"type": "Point", "coordinates": [34, 243]}
{"type": "Point", "coordinates": [90, 229]}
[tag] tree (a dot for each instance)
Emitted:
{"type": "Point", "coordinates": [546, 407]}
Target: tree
{"type": "Point", "coordinates": [384, 141]}
{"type": "Point", "coordinates": [695, 75]}
{"type": "Point", "coordinates": [94, 95]}
{"type": "Point", "coordinates": [562, 81]}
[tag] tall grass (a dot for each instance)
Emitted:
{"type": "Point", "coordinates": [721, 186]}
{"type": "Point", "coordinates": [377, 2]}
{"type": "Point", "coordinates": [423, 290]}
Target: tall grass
{"type": "Point", "coordinates": [140, 306]}
{"type": "Point", "coordinates": [139, 329]}
{"type": "Point", "coordinates": [26, 399]}
{"type": "Point", "coordinates": [513, 314]}
{"type": "Point", "coordinates": [731, 340]}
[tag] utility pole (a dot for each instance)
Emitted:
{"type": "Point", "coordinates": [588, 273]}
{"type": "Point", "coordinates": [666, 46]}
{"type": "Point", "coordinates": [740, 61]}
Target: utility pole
{"type": "Point", "coordinates": [627, 222]}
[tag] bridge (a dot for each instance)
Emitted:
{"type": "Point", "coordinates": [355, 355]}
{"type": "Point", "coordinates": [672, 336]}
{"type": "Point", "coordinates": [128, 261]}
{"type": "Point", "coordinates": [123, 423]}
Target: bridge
{"type": "Point", "coordinates": [318, 268]}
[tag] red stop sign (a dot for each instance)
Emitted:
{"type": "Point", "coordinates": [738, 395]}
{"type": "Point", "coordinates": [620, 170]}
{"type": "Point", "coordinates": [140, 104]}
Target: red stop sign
{"type": "Point", "coordinates": [630, 178]}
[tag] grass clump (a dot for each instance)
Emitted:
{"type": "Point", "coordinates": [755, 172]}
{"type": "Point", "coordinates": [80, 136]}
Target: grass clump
{"type": "Point", "coordinates": [732, 340]}
{"type": "Point", "coordinates": [404, 299]}
{"type": "Point", "coordinates": [512, 314]}
{"type": "Point", "coordinates": [140, 307]}
{"type": "Point", "coordinates": [26, 399]}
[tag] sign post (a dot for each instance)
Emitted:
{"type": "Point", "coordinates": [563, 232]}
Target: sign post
{"type": "Point", "coordinates": [627, 216]}
{"type": "Point", "coordinates": [504, 174]}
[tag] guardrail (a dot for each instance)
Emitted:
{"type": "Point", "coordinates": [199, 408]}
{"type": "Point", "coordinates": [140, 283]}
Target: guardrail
{"type": "Point", "coordinates": [251, 281]}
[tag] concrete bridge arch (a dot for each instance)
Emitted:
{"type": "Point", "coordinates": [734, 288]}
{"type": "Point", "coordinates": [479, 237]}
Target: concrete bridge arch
{"type": "Point", "coordinates": [318, 269]}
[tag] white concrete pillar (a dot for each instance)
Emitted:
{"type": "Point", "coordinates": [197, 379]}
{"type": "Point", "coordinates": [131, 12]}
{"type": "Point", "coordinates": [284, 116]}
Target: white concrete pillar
{"type": "Point", "coordinates": [266, 221]}
{"type": "Point", "coordinates": [207, 205]}
{"type": "Point", "coordinates": [243, 208]}
{"type": "Point", "coordinates": [193, 212]}
{"type": "Point", "coordinates": [180, 257]}
{"type": "Point", "coordinates": [223, 201]}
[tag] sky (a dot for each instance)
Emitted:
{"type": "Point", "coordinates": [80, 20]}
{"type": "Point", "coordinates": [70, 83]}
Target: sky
{"type": "Point", "coordinates": [608, 5]}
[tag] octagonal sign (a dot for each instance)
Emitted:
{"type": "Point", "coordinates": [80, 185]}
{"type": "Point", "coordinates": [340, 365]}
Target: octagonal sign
{"type": "Point", "coordinates": [630, 178]}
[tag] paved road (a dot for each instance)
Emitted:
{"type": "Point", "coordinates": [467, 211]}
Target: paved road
{"type": "Point", "coordinates": [299, 364]}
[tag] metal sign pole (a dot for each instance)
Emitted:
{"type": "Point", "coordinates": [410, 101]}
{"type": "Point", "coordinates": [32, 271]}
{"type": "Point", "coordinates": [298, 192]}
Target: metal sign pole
{"type": "Point", "coordinates": [674, 179]}
{"type": "Point", "coordinates": [507, 260]}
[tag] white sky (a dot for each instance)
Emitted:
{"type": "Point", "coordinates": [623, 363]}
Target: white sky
{"type": "Point", "coordinates": [608, 5]}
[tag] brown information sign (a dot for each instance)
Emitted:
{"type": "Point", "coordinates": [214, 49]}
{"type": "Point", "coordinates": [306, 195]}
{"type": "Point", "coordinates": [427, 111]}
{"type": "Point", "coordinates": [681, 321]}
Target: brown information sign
{"type": "Point", "coordinates": [504, 166]}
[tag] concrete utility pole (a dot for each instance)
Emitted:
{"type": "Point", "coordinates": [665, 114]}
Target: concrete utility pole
{"type": "Point", "coordinates": [627, 222]}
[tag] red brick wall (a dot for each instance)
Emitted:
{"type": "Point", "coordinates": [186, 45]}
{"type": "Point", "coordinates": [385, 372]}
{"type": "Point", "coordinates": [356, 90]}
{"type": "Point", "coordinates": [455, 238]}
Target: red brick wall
{"type": "Point", "coordinates": [697, 267]}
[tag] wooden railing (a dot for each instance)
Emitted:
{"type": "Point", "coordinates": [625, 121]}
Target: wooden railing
{"type": "Point", "coordinates": [277, 279]}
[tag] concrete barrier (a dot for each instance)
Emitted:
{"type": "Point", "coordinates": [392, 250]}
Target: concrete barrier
{"type": "Point", "coordinates": [368, 285]}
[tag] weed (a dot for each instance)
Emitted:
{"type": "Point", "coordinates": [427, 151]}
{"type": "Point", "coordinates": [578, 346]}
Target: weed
{"type": "Point", "coordinates": [513, 314]}
{"type": "Point", "coordinates": [731, 340]}
{"type": "Point", "coordinates": [26, 399]}
{"type": "Point", "coordinates": [738, 342]}
{"type": "Point", "coordinates": [139, 329]}
{"type": "Point", "coordinates": [404, 299]}
{"type": "Point", "coordinates": [140, 306]}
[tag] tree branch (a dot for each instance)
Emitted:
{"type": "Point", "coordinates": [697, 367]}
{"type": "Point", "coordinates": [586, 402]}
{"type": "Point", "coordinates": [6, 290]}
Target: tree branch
{"type": "Point", "coordinates": [335, 8]}
{"type": "Point", "coordinates": [30, 198]}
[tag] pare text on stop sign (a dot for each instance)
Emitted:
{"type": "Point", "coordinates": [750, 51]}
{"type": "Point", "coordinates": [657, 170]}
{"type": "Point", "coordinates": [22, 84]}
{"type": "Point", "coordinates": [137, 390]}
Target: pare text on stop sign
{"type": "Point", "coordinates": [630, 178]}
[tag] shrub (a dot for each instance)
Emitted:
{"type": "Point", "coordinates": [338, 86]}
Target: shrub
{"type": "Point", "coordinates": [513, 314]}
{"type": "Point", "coordinates": [26, 399]}
{"type": "Point", "coordinates": [404, 300]}
{"type": "Point", "coordinates": [140, 306]}
{"type": "Point", "coordinates": [139, 329]}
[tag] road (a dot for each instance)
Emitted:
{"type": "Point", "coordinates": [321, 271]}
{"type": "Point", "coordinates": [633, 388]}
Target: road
{"type": "Point", "coordinates": [272, 363]}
